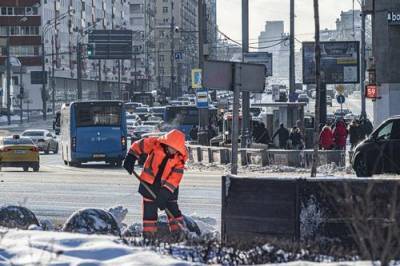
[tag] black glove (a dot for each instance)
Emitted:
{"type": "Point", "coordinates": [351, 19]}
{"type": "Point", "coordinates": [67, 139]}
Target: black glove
{"type": "Point", "coordinates": [129, 162]}
{"type": "Point", "coordinates": [162, 198]}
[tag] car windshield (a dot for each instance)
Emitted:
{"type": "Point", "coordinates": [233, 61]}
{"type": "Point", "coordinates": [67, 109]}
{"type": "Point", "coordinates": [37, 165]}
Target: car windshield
{"type": "Point", "coordinates": [12, 141]}
{"type": "Point", "coordinates": [33, 133]}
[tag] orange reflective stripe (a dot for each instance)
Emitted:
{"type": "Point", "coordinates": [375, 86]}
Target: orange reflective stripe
{"type": "Point", "coordinates": [168, 185]}
{"type": "Point", "coordinates": [147, 200]}
{"type": "Point", "coordinates": [149, 226]}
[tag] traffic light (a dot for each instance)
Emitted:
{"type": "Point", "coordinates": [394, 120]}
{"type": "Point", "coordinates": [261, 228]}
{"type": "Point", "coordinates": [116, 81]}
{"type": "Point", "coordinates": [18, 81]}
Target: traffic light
{"type": "Point", "coordinates": [91, 50]}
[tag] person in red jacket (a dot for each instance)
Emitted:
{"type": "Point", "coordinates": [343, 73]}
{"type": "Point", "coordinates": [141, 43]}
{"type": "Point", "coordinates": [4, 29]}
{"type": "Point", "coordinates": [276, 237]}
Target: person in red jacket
{"type": "Point", "coordinates": [326, 138]}
{"type": "Point", "coordinates": [340, 135]}
{"type": "Point", "coordinates": [162, 172]}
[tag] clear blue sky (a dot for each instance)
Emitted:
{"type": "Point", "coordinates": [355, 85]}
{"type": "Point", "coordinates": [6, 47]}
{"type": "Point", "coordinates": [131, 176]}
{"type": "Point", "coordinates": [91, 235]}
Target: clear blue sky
{"type": "Point", "coordinates": [229, 15]}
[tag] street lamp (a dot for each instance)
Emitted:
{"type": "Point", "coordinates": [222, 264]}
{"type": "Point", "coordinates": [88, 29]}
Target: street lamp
{"type": "Point", "coordinates": [48, 26]}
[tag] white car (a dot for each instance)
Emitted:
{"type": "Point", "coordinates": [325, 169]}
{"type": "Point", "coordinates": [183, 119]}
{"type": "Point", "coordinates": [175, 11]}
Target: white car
{"type": "Point", "coordinates": [43, 139]}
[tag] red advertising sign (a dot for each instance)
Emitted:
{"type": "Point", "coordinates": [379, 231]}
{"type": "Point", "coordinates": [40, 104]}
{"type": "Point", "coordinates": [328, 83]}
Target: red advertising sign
{"type": "Point", "coordinates": [371, 91]}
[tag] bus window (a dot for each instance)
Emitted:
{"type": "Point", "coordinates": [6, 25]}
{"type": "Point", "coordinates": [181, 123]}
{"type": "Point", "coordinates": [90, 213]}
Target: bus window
{"type": "Point", "coordinates": [98, 115]}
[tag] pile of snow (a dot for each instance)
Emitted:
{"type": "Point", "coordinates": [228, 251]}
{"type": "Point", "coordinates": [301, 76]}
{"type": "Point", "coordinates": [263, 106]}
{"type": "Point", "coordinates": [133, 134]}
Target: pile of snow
{"type": "Point", "coordinates": [92, 221]}
{"type": "Point", "coordinates": [17, 217]}
{"type": "Point", "coordinates": [18, 247]}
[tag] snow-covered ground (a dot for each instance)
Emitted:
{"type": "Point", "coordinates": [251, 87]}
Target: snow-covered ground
{"type": "Point", "coordinates": [20, 247]}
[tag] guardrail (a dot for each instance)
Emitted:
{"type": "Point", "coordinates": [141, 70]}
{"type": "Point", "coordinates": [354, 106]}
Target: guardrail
{"type": "Point", "coordinates": [263, 157]}
{"type": "Point", "coordinates": [258, 209]}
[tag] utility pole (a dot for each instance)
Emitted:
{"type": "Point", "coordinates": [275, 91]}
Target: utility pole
{"type": "Point", "coordinates": [292, 74]}
{"type": "Point", "coordinates": [135, 68]}
{"type": "Point", "coordinates": [99, 85]}
{"type": "Point", "coordinates": [363, 64]}
{"type": "Point", "coordinates": [202, 135]}
{"type": "Point", "coordinates": [8, 77]}
{"type": "Point", "coordinates": [172, 92]}
{"type": "Point", "coordinates": [53, 81]}
{"type": "Point", "coordinates": [245, 139]}
{"type": "Point", "coordinates": [119, 79]}
{"type": "Point", "coordinates": [79, 69]}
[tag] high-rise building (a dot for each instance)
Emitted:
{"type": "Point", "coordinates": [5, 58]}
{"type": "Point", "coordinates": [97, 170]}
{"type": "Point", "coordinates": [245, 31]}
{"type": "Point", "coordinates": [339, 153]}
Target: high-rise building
{"type": "Point", "coordinates": [176, 44]}
{"type": "Point", "coordinates": [274, 40]}
{"type": "Point", "coordinates": [67, 22]}
{"type": "Point", "coordinates": [20, 24]}
{"type": "Point", "coordinates": [142, 23]}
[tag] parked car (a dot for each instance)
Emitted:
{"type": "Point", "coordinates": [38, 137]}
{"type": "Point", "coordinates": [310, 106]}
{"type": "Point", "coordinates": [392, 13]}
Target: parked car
{"type": "Point", "coordinates": [379, 152]}
{"type": "Point", "coordinates": [16, 151]}
{"type": "Point", "coordinates": [303, 98]}
{"type": "Point", "coordinates": [43, 139]}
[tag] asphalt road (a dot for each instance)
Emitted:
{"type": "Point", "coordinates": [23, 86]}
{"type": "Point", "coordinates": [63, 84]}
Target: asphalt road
{"type": "Point", "coordinates": [57, 190]}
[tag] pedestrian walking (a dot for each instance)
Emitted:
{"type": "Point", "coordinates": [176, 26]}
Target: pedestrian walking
{"type": "Point", "coordinates": [354, 133]}
{"type": "Point", "coordinates": [261, 134]}
{"type": "Point", "coordinates": [162, 173]}
{"type": "Point", "coordinates": [193, 132]}
{"type": "Point", "coordinates": [326, 138]}
{"type": "Point", "coordinates": [283, 135]}
{"type": "Point", "coordinates": [296, 138]}
{"type": "Point", "coordinates": [340, 135]}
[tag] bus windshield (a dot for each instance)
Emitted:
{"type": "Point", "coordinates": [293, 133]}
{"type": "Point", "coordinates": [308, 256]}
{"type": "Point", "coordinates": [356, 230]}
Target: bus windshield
{"type": "Point", "coordinates": [182, 115]}
{"type": "Point", "coordinates": [98, 115]}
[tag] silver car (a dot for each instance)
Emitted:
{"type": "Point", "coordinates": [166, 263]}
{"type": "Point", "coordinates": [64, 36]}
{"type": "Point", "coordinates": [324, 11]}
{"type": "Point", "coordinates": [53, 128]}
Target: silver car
{"type": "Point", "coordinates": [43, 139]}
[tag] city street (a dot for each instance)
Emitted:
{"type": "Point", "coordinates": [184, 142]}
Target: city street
{"type": "Point", "coordinates": [58, 190]}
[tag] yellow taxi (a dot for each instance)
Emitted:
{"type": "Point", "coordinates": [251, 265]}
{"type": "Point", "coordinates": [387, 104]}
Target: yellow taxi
{"type": "Point", "coordinates": [16, 151]}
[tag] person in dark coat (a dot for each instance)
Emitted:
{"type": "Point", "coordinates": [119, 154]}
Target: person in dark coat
{"type": "Point", "coordinates": [366, 128]}
{"type": "Point", "coordinates": [354, 133]}
{"type": "Point", "coordinates": [193, 132]}
{"type": "Point", "coordinates": [261, 134]}
{"type": "Point", "coordinates": [283, 134]}
{"type": "Point", "coordinates": [296, 138]}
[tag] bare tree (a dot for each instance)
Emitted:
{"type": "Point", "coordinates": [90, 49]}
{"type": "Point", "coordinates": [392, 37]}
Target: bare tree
{"type": "Point", "coordinates": [318, 89]}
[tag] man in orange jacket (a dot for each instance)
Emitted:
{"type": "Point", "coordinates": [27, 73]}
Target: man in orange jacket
{"type": "Point", "coordinates": [162, 172]}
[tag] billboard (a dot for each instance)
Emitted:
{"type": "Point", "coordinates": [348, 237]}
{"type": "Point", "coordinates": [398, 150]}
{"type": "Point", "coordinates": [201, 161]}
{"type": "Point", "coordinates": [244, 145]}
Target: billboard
{"type": "Point", "coordinates": [340, 62]}
{"type": "Point", "coordinates": [260, 58]}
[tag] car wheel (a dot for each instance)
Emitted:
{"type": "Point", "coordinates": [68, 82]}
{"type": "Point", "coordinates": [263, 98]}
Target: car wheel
{"type": "Point", "coordinates": [118, 164]}
{"type": "Point", "coordinates": [26, 168]}
{"type": "Point", "coordinates": [56, 149]}
{"type": "Point", "coordinates": [65, 162]}
{"type": "Point", "coordinates": [36, 168]}
{"type": "Point", "coordinates": [361, 168]}
{"type": "Point", "coordinates": [47, 150]}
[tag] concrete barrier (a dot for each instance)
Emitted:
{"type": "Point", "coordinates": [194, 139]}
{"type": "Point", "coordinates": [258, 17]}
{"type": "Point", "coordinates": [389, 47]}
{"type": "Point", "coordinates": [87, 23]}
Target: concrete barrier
{"type": "Point", "coordinates": [258, 209]}
{"type": "Point", "coordinates": [263, 157]}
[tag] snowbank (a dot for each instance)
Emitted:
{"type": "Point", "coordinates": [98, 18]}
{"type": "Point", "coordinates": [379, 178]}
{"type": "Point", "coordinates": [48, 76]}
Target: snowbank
{"type": "Point", "coordinates": [54, 248]}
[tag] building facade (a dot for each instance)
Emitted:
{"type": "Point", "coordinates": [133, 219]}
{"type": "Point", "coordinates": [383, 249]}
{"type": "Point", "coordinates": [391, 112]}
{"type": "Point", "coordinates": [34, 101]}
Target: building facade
{"type": "Point", "coordinates": [142, 23]}
{"type": "Point", "coordinates": [20, 23]}
{"type": "Point", "coordinates": [67, 22]}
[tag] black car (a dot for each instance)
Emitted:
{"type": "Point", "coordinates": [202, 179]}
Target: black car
{"type": "Point", "coordinates": [379, 153]}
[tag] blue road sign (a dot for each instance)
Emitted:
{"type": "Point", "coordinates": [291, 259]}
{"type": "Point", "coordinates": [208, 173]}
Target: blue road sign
{"type": "Point", "coordinates": [340, 99]}
{"type": "Point", "coordinates": [178, 56]}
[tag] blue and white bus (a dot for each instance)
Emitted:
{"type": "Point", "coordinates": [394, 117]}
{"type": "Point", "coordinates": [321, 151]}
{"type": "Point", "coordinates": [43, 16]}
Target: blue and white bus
{"type": "Point", "coordinates": [93, 131]}
{"type": "Point", "coordinates": [184, 117]}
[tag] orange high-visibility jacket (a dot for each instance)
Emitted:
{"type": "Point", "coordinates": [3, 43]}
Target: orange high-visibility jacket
{"type": "Point", "coordinates": [173, 171]}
